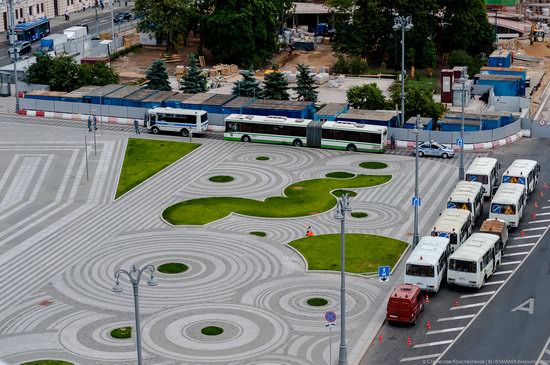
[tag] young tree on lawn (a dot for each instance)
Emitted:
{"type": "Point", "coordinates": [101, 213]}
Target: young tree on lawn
{"type": "Point", "coordinates": [98, 74]}
{"type": "Point", "coordinates": [158, 76]}
{"type": "Point", "coordinates": [305, 89]}
{"type": "Point", "coordinates": [248, 86]}
{"type": "Point", "coordinates": [276, 86]}
{"type": "Point", "coordinates": [367, 96]}
{"type": "Point", "coordinates": [194, 81]}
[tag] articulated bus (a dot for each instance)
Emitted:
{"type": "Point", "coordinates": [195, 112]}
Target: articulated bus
{"type": "Point", "coordinates": [455, 224]}
{"type": "Point", "coordinates": [182, 121]}
{"type": "Point", "coordinates": [467, 195]}
{"type": "Point", "coordinates": [484, 170]}
{"type": "Point", "coordinates": [477, 259]}
{"type": "Point", "coordinates": [33, 30]}
{"type": "Point", "coordinates": [525, 172]}
{"type": "Point", "coordinates": [427, 264]}
{"type": "Point", "coordinates": [508, 204]}
{"type": "Point", "coordinates": [305, 132]}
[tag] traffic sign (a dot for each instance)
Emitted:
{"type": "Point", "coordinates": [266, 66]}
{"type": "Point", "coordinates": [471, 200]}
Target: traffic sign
{"type": "Point", "coordinates": [416, 201]}
{"type": "Point", "coordinates": [451, 205]}
{"type": "Point", "coordinates": [330, 316]}
{"type": "Point", "coordinates": [522, 180]}
{"type": "Point", "coordinates": [506, 179]}
{"type": "Point", "coordinates": [460, 142]}
{"type": "Point", "coordinates": [383, 273]}
{"type": "Point", "coordinates": [496, 209]}
{"type": "Point", "coordinates": [473, 178]}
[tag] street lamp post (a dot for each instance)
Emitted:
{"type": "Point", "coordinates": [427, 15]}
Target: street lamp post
{"type": "Point", "coordinates": [112, 22]}
{"type": "Point", "coordinates": [405, 24]}
{"type": "Point", "coordinates": [342, 207]}
{"type": "Point", "coordinates": [462, 80]}
{"type": "Point", "coordinates": [134, 276]}
{"type": "Point", "coordinates": [416, 132]}
{"type": "Point", "coordinates": [13, 38]}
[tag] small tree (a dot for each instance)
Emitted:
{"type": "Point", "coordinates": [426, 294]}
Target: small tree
{"type": "Point", "coordinates": [64, 74]}
{"type": "Point", "coordinates": [305, 89]}
{"type": "Point", "coordinates": [367, 96]}
{"type": "Point", "coordinates": [98, 74]}
{"type": "Point", "coordinates": [39, 72]}
{"type": "Point", "coordinates": [158, 76]}
{"type": "Point", "coordinates": [248, 86]}
{"type": "Point", "coordinates": [461, 58]}
{"type": "Point", "coordinates": [418, 101]}
{"type": "Point", "coordinates": [276, 86]}
{"type": "Point", "coordinates": [193, 81]}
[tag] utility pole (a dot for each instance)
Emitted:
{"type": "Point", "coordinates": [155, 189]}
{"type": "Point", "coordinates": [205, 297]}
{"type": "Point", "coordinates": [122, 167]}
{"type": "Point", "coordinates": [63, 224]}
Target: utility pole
{"type": "Point", "coordinates": [13, 38]}
{"type": "Point", "coordinates": [415, 233]}
{"type": "Point", "coordinates": [112, 24]}
{"type": "Point", "coordinates": [462, 80]}
{"type": "Point", "coordinates": [405, 24]}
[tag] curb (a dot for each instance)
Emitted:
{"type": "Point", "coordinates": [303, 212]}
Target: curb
{"type": "Point", "coordinates": [472, 146]}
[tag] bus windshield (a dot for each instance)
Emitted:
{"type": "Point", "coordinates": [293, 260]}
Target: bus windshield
{"type": "Point", "coordinates": [514, 179]}
{"type": "Point", "coordinates": [503, 208]}
{"type": "Point", "coordinates": [484, 179]}
{"type": "Point", "coordinates": [455, 205]}
{"type": "Point", "coordinates": [420, 270]}
{"type": "Point", "coordinates": [463, 266]}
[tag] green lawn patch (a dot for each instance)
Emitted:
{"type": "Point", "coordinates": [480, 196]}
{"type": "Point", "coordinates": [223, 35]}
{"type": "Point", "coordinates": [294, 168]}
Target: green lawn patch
{"type": "Point", "coordinates": [221, 178]}
{"type": "Point", "coordinates": [364, 252]}
{"type": "Point", "coordinates": [430, 84]}
{"type": "Point", "coordinates": [48, 362]}
{"type": "Point", "coordinates": [258, 233]}
{"type": "Point", "coordinates": [340, 175]}
{"type": "Point", "coordinates": [145, 157]}
{"type": "Point", "coordinates": [172, 268]}
{"type": "Point", "coordinates": [122, 332]}
{"type": "Point", "coordinates": [262, 158]}
{"type": "Point", "coordinates": [317, 302]}
{"type": "Point", "coordinates": [301, 199]}
{"type": "Point", "coordinates": [373, 165]}
{"type": "Point", "coordinates": [212, 331]}
{"type": "Point", "coordinates": [339, 193]}
{"type": "Point", "coordinates": [359, 215]}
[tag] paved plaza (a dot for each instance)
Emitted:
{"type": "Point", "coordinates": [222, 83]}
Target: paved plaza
{"type": "Point", "coordinates": [62, 237]}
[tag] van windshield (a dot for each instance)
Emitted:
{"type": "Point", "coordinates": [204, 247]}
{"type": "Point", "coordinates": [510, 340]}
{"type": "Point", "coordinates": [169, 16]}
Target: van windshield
{"type": "Point", "coordinates": [508, 209]}
{"type": "Point", "coordinates": [459, 205]}
{"type": "Point", "coordinates": [463, 266]}
{"type": "Point", "coordinates": [420, 270]}
{"type": "Point", "coordinates": [484, 179]}
{"type": "Point", "coordinates": [514, 179]}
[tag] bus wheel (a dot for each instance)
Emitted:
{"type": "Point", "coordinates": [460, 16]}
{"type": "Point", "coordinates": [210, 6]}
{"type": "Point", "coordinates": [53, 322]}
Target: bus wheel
{"type": "Point", "coordinates": [297, 143]}
{"type": "Point", "coordinates": [245, 139]}
{"type": "Point", "coordinates": [352, 148]}
{"type": "Point", "coordinates": [184, 132]}
{"type": "Point", "coordinates": [155, 130]}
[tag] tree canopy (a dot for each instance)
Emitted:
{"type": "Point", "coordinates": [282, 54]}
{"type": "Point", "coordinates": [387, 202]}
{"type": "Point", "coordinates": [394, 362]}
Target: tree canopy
{"type": "Point", "coordinates": [305, 84]}
{"type": "Point", "coordinates": [276, 86]}
{"type": "Point", "coordinates": [248, 86]}
{"type": "Point", "coordinates": [367, 96]}
{"type": "Point", "coordinates": [158, 76]}
{"type": "Point", "coordinates": [194, 81]}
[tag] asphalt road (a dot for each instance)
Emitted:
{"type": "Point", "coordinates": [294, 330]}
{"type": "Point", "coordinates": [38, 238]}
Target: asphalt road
{"type": "Point", "coordinates": [496, 333]}
{"type": "Point", "coordinates": [104, 22]}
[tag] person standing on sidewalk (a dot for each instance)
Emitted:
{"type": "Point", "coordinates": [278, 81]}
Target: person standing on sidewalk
{"type": "Point", "coordinates": [89, 123]}
{"type": "Point", "coordinates": [95, 122]}
{"type": "Point", "coordinates": [392, 142]}
{"type": "Point", "coordinates": [67, 15]}
{"type": "Point", "coordinates": [136, 126]}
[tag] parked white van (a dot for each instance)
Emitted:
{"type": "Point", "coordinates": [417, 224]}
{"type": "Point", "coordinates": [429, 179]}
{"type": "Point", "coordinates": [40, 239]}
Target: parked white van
{"type": "Point", "coordinates": [485, 171]}
{"type": "Point", "coordinates": [508, 204]}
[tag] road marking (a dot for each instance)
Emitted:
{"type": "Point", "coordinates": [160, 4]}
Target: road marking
{"type": "Point", "coordinates": [503, 272]}
{"type": "Point", "coordinates": [419, 357]}
{"type": "Point", "coordinates": [467, 306]}
{"type": "Point", "coordinates": [446, 342]}
{"type": "Point", "coordinates": [545, 350]}
{"type": "Point", "coordinates": [543, 214]}
{"type": "Point", "coordinates": [495, 282]}
{"type": "Point", "coordinates": [526, 237]}
{"type": "Point", "coordinates": [522, 245]}
{"type": "Point", "coordinates": [546, 207]}
{"type": "Point", "coordinates": [515, 254]}
{"type": "Point", "coordinates": [454, 329]}
{"type": "Point", "coordinates": [466, 316]}
{"type": "Point", "coordinates": [527, 306]}
{"type": "Point", "coordinates": [510, 263]}
{"type": "Point", "coordinates": [534, 229]}
{"type": "Point", "coordinates": [478, 294]}
{"type": "Point", "coordinates": [541, 221]}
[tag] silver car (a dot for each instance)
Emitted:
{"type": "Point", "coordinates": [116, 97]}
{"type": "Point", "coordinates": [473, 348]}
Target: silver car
{"type": "Point", "coordinates": [434, 149]}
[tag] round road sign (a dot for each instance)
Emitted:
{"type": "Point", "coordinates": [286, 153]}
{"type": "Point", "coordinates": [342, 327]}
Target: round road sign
{"type": "Point", "coordinates": [330, 317]}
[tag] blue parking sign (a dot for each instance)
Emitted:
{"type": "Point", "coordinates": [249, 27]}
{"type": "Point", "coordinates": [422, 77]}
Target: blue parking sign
{"type": "Point", "coordinates": [416, 201]}
{"type": "Point", "coordinates": [460, 142]}
{"type": "Point", "coordinates": [383, 273]}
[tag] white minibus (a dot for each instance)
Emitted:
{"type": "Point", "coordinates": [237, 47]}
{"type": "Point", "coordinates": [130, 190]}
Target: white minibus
{"type": "Point", "coordinates": [484, 170]}
{"type": "Point", "coordinates": [467, 195]}
{"type": "Point", "coordinates": [182, 121]}
{"type": "Point", "coordinates": [525, 172]}
{"type": "Point", "coordinates": [508, 204]}
{"type": "Point", "coordinates": [427, 264]}
{"type": "Point", "coordinates": [454, 224]}
{"type": "Point", "coordinates": [473, 262]}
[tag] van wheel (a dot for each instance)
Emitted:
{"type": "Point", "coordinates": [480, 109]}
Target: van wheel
{"type": "Point", "coordinates": [297, 143]}
{"type": "Point", "coordinates": [245, 138]}
{"type": "Point", "coordinates": [445, 155]}
{"type": "Point", "coordinates": [184, 132]}
{"type": "Point", "coordinates": [155, 130]}
{"type": "Point", "coordinates": [352, 148]}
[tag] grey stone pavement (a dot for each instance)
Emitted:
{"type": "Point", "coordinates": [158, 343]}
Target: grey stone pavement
{"type": "Point", "coordinates": [62, 237]}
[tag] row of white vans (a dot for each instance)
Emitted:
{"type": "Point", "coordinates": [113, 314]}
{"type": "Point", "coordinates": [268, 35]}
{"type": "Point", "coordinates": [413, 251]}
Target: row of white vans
{"type": "Point", "coordinates": [452, 250]}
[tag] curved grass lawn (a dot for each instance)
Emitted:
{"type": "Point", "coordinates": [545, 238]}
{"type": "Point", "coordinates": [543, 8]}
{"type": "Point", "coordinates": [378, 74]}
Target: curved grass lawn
{"type": "Point", "coordinates": [172, 268]}
{"type": "Point", "coordinates": [364, 252]}
{"type": "Point", "coordinates": [301, 199]}
{"type": "Point", "coordinates": [221, 178]}
{"type": "Point", "coordinates": [48, 362]}
{"type": "Point", "coordinates": [122, 332]}
{"type": "Point", "coordinates": [146, 157]}
{"type": "Point", "coordinates": [373, 165]}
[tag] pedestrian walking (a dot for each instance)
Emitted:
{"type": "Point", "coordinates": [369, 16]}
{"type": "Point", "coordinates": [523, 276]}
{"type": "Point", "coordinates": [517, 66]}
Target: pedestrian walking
{"type": "Point", "coordinates": [89, 123]}
{"type": "Point", "coordinates": [84, 7]}
{"type": "Point", "coordinates": [95, 122]}
{"type": "Point", "coordinates": [136, 126]}
{"type": "Point", "coordinates": [392, 142]}
{"type": "Point", "coordinates": [66, 14]}
{"type": "Point", "coordinates": [309, 232]}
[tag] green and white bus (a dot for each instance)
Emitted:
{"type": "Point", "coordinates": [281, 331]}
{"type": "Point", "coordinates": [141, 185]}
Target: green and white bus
{"type": "Point", "coordinates": [305, 132]}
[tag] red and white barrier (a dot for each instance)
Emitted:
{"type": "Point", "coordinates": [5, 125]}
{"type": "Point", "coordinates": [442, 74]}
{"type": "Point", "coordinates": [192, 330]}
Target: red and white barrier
{"type": "Point", "coordinates": [471, 146]}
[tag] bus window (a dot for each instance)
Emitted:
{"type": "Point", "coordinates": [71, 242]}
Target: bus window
{"type": "Point", "coordinates": [420, 270]}
{"type": "Point", "coordinates": [231, 127]}
{"type": "Point", "coordinates": [204, 118]}
{"type": "Point", "coordinates": [463, 266]}
{"type": "Point", "coordinates": [453, 238]}
{"type": "Point", "coordinates": [503, 208]}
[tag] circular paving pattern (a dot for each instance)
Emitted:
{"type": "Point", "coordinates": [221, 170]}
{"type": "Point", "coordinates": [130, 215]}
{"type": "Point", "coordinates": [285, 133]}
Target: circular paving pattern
{"type": "Point", "coordinates": [248, 331]}
{"type": "Point", "coordinates": [285, 158]}
{"type": "Point", "coordinates": [218, 267]}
